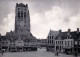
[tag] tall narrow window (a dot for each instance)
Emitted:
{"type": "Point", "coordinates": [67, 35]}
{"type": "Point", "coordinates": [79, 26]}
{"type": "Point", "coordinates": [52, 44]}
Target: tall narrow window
{"type": "Point", "coordinates": [62, 42]}
{"type": "Point", "coordinates": [52, 41]}
{"type": "Point", "coordinates": [25, 14]}
{"type": "Point", "coordinates": [19, 14]}
{"type": "Point", "coordinates": [48, 41]}
{"type": "Point", "coordinates": [52, 37]}
{"type": "Point", "coordinates": [56, 42]}
{"type": "Point", "coordinates": [71, 43]}
{"type": "Point", "coordinates": [65, 43]}
{"type": "Point", "coordinates": [68, 43]}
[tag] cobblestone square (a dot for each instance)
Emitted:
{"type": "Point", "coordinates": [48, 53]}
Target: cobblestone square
{"type": "Point", "coordinates": [40, 53]}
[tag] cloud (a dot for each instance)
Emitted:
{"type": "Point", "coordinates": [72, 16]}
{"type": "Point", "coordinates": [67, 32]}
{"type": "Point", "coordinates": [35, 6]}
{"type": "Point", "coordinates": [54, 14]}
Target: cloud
{"type": "Point", "coordinates": [55, 19]}
{"type": "Point", "coordinates": [75, 21]}
{"type": "Point", "coordinates": [8, 24]}
{"type": "Point", "coordinates": [45, 15]}
{"type": "Point", "coordinates": [42, 23]}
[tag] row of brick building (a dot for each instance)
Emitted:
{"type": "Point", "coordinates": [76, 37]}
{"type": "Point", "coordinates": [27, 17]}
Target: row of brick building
{"type": "Point", "coordinates": [68, 41]}
{"type": "Point", "coordinates": [12, 43]}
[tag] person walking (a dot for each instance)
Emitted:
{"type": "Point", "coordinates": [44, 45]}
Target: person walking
{"type": "Point", "coordinates": [76, 54]}
{"type": "Point", "coordinates": [57, 53]}
{"type": "Point", "coordinates": [2, 52]}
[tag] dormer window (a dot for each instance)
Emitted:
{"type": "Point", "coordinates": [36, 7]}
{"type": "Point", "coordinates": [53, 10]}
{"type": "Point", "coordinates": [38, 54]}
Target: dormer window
{"type": "Point", "coordinates": [60, 38]}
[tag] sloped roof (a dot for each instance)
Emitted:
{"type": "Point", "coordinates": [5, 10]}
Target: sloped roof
{"type": "Point", "coordinates": [3, 38]}
{"type": "Point", "coordinates": [52, 32]}
{"type": "Point", "coordinates": [63, 35]}
{"type": "Point", "coordinates": [74, 34]}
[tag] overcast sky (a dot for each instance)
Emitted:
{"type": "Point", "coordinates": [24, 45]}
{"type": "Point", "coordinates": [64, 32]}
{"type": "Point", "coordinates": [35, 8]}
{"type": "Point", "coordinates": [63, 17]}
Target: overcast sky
{"type": "Point", "coordinates": [44, 15]}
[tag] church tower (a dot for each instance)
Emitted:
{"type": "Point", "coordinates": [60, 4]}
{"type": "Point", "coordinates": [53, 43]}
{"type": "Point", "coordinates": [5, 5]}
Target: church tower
{"type": "Point", "coordinates": [22, 37]}
{"type": "Point", "coordinates": [22, 18]}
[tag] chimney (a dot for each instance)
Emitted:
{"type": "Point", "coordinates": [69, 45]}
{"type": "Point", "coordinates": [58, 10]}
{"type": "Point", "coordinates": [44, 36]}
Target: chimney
{"type": "Point", "coordinates": [26, 4]}
{"type": "Point", "coordinates": [77, 30]}
{"type": "Point", "coordinates": [69, 30]}
{"type": "Point", "coordinates": [60, 31]}
{"type": "Point", "coordinates": [16, 3]}
{"type": "Point", "coordinates": [68, 35]}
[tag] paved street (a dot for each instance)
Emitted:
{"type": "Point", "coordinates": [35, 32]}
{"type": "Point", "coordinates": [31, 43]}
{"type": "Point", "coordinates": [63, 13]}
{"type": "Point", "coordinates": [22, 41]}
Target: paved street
{"type": "Point", "coordinates": [39, 53]}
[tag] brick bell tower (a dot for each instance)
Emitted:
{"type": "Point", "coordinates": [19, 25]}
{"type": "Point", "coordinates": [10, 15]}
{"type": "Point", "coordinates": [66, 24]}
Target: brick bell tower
{"type": "Point", "coordinates": [22, 22]}
{"type": "Point", "coordinates": [22, 18]}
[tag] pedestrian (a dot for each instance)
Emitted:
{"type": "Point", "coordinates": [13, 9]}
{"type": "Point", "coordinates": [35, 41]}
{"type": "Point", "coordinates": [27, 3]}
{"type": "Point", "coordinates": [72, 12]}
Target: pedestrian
{"type": "Point", "coordinates": [76, 54]}
{"type": "Point", "coordinates": [57, 53]}
{"type": "Point", "coordinates": [2, 52]}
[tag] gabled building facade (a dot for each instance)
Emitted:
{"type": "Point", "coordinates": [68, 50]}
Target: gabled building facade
{"type": "Point", "coordinates": [59, 42]}
{"type": "Point", "coordinates": [68, 41]}
{"type": "Point", "coordinates": [51, 40]}
{"type": "Point", "coordinates": [65, 41]}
